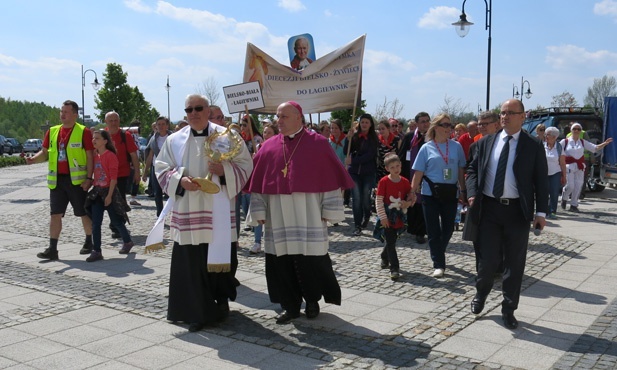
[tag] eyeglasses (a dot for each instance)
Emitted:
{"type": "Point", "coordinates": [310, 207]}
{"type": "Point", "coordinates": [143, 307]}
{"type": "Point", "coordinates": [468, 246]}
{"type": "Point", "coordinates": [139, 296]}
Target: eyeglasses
{"type": "Point", "coordinates": [217, 117]}
{"type": "Point", "coordinates": [198, 108]}
{"type": "Point", "coordinates": [509, 113]}
{"type": "Point", "coordinates": [576, 129]}
{"type": "Point", "coordinates": [444, 125]}
{"type": "Point", "coordinates": [483, 124]}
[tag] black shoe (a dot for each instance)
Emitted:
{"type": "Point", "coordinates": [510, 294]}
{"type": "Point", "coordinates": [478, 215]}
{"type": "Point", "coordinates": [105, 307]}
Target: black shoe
{"type": "Point", "coordinates": [509, 321]}
{"type": "Point", "coordinates": [574, 209]}
{"type": "Point", "coordinates": [357, 231]}
{"type": "Point", "coordinates": [48, 254]}
{"type": "Point", "coordinates": [420, 239]}
{"type": "Point", "coordinates": [116, 235]}
{"type": "Point", "coordinates": [385, 264]}
{"type": "Point", "coordinates": [286, 317]}
{"type": "Point", "coordinates": [86, 248]}
{"type": "Point", "coordinates": [477, 305]}
{"type": "Point", "coordinates": [563, 204]}
{"type": "Point", "coordinates": [196, 326]}
{"type": "Point", "coordinates": [311, 310]}
{"type": "Point", "coordinates": [224, 310]}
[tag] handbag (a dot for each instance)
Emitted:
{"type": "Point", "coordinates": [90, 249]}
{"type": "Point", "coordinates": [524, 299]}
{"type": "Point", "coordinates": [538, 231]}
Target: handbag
{"type": "Point", "coordinates": [442, 191]}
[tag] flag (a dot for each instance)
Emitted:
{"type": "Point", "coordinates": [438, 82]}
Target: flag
{"type": "Point", "coordinates": [329, 83]}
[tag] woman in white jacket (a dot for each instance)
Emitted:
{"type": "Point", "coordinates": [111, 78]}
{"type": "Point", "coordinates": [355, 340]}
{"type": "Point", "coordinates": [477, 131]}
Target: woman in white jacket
{"type": "Point", "coordinates": [574, 149]}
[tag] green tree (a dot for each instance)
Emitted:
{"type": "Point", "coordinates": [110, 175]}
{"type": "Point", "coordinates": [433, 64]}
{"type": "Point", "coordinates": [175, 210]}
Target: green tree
{"type": "Point", "coordinates": [601, 88]}
{"type": "Point", "coordinates": [115, 95]}
{"type": "Point", "coordinates": [143, 111]}
{"type": "Point", "coordinates": [23, 120]}
{"type": "Point", "coordinates": [345, 115]}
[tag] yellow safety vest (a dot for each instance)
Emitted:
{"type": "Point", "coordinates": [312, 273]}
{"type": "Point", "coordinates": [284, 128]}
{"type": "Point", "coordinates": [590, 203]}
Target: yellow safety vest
{"type": "Point", "coordinates": [75, 153]}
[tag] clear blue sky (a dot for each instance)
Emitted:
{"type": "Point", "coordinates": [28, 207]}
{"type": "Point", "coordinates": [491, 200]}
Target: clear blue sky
{"type": "Point", "coordinates": [412, 52]}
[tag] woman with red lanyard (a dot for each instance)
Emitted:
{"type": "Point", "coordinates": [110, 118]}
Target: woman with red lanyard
{"type": "Point", "coordinates": [441, 161]}
{"type": "Point", "coordinates": [105, 195]}
{"type": "Point", "coordinates": [388, 143]}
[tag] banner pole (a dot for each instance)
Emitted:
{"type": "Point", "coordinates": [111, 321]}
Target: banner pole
{"type": "Point", "coordinates": [250, 126]}
{"type": "Point", "coordinates": [355, 100]}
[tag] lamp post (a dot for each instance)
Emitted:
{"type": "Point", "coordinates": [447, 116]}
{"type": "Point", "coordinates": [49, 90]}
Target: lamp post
{"type": "Point", "coordinates": [515, 90]}
{"type": "Point", "coordinates": [167, 87]}
{"type": "Point", "coordinates": [95, 86]}
{"type": "Point", "coordinates": [462, 29]}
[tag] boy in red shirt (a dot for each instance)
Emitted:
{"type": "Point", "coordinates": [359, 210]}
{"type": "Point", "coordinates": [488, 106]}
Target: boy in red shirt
{"type": "Point", "coordinates": [391, 203]}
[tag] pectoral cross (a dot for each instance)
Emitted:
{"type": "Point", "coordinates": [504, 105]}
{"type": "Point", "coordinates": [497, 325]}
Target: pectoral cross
{"type": "Point", "coordinates": [284, 171]}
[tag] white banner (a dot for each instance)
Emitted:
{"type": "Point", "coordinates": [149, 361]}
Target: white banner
{"type": "Point", "coordinates": [329, 83]}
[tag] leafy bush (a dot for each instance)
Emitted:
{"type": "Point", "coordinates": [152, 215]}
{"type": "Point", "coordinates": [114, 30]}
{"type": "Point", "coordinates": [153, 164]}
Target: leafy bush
{"type": "Point", "coordinates": [11, 161]}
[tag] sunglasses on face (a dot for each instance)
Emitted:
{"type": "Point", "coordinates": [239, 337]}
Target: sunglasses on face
{"type": "Point", "coordinates": [444, 125]}
{"type": "Point", "coordinates": [198, 108]}
{"type": "Point", "coordinates": [576, 129]}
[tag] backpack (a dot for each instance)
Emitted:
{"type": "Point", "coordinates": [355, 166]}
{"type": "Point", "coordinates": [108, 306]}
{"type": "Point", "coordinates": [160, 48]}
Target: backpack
{"type": "Point", "coordinates": [128, 155]}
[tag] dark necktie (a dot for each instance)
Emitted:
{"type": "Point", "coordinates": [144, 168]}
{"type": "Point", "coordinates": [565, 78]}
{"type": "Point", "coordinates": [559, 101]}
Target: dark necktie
{"type": "Point", "coordinates": [500, 175]}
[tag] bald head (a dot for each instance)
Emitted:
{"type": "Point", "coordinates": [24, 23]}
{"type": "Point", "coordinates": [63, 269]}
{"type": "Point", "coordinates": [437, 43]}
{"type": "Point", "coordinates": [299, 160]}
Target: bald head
{"type": "Point", "coordinates": [472, 128]}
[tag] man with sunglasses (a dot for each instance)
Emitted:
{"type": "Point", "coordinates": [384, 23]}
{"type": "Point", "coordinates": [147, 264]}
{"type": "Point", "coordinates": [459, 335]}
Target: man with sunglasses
{"type": "Point", "coordinates": [217, 116]}
{"type": "Point", "coordinates": [202, 224]}
{"type": "Point", "coordinates": [574, 148]}
{"type": "Point", "coordinates": [488, 124]}
{"type": "Point", "coordinates": [396, 128]}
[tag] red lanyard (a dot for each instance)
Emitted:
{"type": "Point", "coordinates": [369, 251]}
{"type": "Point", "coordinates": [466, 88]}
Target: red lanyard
{"type": "Point", "coordinates": [445, 158]}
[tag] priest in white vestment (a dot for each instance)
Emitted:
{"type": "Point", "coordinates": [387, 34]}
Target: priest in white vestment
{"type": "Point", "coordinates": [203, 225]}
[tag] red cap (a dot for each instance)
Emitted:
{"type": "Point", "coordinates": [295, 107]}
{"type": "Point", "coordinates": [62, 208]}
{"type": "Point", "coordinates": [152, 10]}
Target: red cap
{"type": "Point", "coordinates": [296, 105]}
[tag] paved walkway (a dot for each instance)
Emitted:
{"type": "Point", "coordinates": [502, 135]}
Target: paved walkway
{"type": "Point", "coordinates": [111, 314]}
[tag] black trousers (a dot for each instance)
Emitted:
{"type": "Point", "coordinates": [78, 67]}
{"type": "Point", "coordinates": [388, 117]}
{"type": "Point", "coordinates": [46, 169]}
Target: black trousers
{"type": "Point", "coordinates": [415, 220]}
{"type": "Point", "coordinates": [502, 226]}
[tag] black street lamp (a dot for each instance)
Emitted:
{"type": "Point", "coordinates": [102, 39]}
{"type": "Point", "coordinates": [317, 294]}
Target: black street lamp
{"type": "Point", "coordinates": [515, 90]}
{"type": "Point", "coordinates": [462, 29]}
{"type": "Point", "coordinates": [167, 87]}
{"type": "Point", "coordinates": [95, 86]}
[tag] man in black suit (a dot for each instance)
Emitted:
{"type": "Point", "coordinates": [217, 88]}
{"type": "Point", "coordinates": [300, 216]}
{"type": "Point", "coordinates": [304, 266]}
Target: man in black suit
{"type": "Point", "coordinates": [502, 190]}
{"type": "Point", "coordinates": [412, 141]}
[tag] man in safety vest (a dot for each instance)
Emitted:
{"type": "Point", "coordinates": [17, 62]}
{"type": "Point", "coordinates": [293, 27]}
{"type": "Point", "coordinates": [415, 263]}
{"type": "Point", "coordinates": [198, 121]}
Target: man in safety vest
{"type": "Point", "coordinates": [70, 152]}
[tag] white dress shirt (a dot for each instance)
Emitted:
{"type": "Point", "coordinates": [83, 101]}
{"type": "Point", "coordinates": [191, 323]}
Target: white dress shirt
{"type": "Point", "coordinates": [509, 189]}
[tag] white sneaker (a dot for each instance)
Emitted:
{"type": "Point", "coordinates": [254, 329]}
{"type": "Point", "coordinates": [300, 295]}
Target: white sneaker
{"type": "Point", "coordinates": [256, 248]}
{"type": "Point", "coordinates": [438, 273]}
